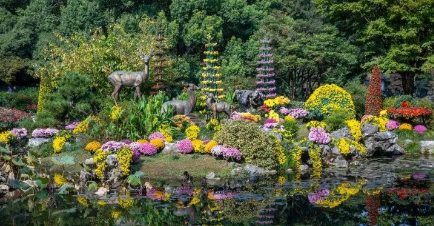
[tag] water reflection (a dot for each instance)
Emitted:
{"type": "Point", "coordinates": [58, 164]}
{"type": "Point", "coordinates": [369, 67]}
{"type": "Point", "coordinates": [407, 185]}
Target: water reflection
{"type": "Point", "coordinates": [339, 198]}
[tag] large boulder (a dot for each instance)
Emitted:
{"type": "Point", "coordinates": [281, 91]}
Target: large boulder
{"type": "Point", "coordinates": [427, 146]}
{"type": "Point", "coordinates": [369, 130]}
{"type": "Point", "coordinates": [36, 142]}
{"type": "Point", "coordinates": [381, 143]}
{"type": "Point", "coordinates": [342, 133]}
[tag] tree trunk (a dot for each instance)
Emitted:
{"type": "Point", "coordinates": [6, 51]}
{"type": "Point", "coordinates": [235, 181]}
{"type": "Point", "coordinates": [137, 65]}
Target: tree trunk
{"type": "Point", "coordinates": [408, 82]}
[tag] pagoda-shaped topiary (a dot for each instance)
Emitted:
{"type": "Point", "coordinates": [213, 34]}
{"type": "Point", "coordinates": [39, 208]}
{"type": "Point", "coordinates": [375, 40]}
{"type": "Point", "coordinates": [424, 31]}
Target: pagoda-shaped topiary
{"type": "Point", "coordinates": [160, 61]}
{"type": "Point", "coordinates": [374, 101]}
{"type": "Point", "coordinates": [211, 77]}
{"type": "Point", "coordinates": [265, 82]}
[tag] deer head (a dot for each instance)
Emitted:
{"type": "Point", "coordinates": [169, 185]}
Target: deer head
{"type": "Point", "coordinates": [146, 58]}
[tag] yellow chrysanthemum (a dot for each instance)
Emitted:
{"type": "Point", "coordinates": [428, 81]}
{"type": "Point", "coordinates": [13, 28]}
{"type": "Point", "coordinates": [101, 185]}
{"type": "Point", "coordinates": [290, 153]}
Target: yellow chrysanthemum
{"type": "Point", "coordinates": [142, 141]}
{"type": "Point", "coordinates": [210, 145]}
{"type": "Point", "coordinates": [115, 113]}
{"type": "Point", "coordinates": [192, 132]}
{"type": "Point", "coordinates": [273, 115]}
{"type": "Point", "coordinates": [329, 98]}
{"type": "Point", "coordinates": [405, 126]}
{"type": "Point", "coordinates": [101, 203]}
{"type": "Point", "coordinates": [5, 137]}
{"type": "Point", "coordinates": [158, 143]}
{"type": "Point", "coordinates": [356, 129]}
{"type": "Point", "coordinates": [126, 202]}
{"type": "Point", "coordinates": [343, 146]}
{"type": "Point", "coordinates": [59, 179]}
{"type": "Point", "coordinates": [82, 127]}
{"type": "Point", "coordinates": [58, 143]}
{"type": "Point", "coordinates": [316, 124]}
{"type": "Point", "coordinates": [125, 156]}
{"type": "Point", "coordinates": [93, 146]}
{"type": "Point", "coordinates": [198, 146]}
{"type": "Point", "coordinates": [83, 201]}
{"type": "Point", "coordinates": [115, 214]}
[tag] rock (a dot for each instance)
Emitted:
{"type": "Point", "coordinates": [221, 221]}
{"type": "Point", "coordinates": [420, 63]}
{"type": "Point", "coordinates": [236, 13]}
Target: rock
{"type": "Point", "coordinates": [210, 176]}
{"type": "Point", "coordinates": [112, 160]}
{"type": "Point", "coordinates": [304, 167]}
{"type": "Point", "coordinates": [342, 133]}
{"type": "Point", "coordinates": [394, 150]}
{"type": "Point", "coordinates": [339, 162]}
{"type": "Point", "coordinates": [89, 161]}
{"type": "Point", "coordinates": [325, 150]}
{"type": "Point", "coordinates": [427, 146]}
{"type": "Point", "coordinates": [408, 141]}
{"type": "Point", "coordinates": [102, 191]}
{"type": "Point", "coordinates": [335, 151]}
{"type": "Point", "coordinates": [170, 148]}
{"type": "Point", "coordinates": [369, 130]}
{"type": "Point", "coordinates": [4, 188]}
{"type": "Point", "coordinates": [254, 170]}
{"type": "Point", "coordinates": [36, 142]}
{"type": "Point", "coordinates": [290, 171]}
{"type": "Point", "coordinates": [237, 171]}
{"type": "Point", "coordinates": [2, 179]}
{"type": "Point", "coordinates": [85, 176]}
{"type": "Point", "coordinates": [270, 172]}
{"type": "Point", "coordinates": [270, 131]}
{"type": "Point", "coordinates": [386, 136]}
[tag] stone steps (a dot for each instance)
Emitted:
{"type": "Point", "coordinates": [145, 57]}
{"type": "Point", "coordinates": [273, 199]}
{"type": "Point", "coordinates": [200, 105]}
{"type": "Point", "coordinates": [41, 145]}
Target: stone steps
{"type": "Point", "coordinates": [199, 122]}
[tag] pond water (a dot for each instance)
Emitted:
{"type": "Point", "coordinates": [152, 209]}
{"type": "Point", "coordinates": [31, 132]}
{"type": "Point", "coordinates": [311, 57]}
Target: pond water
{"type": "Point", "coordinates": [381, 191]}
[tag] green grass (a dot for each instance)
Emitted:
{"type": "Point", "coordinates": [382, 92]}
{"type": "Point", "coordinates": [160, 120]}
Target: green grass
{"type": "Point", "coordinates": [172, 166]}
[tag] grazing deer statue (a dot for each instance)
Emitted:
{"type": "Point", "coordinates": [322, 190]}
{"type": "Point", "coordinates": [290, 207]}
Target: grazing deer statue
{"type": "Point", "coordinates": [217, 107]}
{"type": "Point", "coordinates": [128, 78]}
{"type": "Point", "coordinates": [183, 107]}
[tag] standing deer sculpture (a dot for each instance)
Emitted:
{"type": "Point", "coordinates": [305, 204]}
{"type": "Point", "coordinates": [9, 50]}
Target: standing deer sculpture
{"type": "Point", "coordinates": [183, 107]}
{"type": "Point", "coordinates": [128, 78]}
{"type": "Point", "coordinates": [217, 107]}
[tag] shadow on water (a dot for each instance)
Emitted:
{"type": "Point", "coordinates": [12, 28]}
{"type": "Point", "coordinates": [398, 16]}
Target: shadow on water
{"type": "Point", "coordinates": [382, 191]}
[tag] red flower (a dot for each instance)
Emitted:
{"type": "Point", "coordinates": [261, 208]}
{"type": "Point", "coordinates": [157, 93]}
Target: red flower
{"type": "Point", "coordinates": [404, 104]}
{"type": "Point", "coordinates": [374, 101]}
{"type": "Point", "coordinates": [410, 112]}
{"type": "Point", "coordinates": [265, 108]}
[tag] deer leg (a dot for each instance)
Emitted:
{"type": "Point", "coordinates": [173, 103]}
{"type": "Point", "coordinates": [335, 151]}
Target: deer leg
{"type": "Point", "coordinates": [137, 92]}
{"type": "Point", "coordinates": [115, 93]}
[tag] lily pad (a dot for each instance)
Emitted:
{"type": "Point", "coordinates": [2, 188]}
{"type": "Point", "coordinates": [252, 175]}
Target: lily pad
{"type": "Point", "coordinates": [65, 160]}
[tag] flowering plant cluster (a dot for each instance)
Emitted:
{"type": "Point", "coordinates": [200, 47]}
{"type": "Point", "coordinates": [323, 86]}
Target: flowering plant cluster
{"type": "Point", "coordinates": [72, 126]}
{"type": "Point", "coordinates": [112, 146]}
{"type": "Point", "coordinates": [59, 143]}
{"type": "Point", "coordinates": [319, 135]}
{"type": "Point", "coordinates": [192, 132]}
{"type": "Point", "coordinates": [329, 98]}
{"type": "Point", "coordinates": [392, 124]}
{"type": "Point", "coordinates": [180, 121]}
{"type": "Point", "coordinates": [409, 113]}
{"type": "Point", "coordinates": [19, 132]}
{"type": "Point", "coordinates": [5, 137]}
{"type": "Point", "coordinates": [214, 125]}
{"type": "Point", "coordinates": [316, 124]}
{"type": "Point", "coordinates": [420, 129]}
{"type": "Point", "coordinates": [270, 123]}
{"type": "Point", "coordinates": [44, 133]}
{"type": "Point", "coordinates": [82, 127]}
{"type": "Point", "coordinates": [226, 153]}
{"type": "Point", "coordinates": [93, 146]}
{"type": "Point", "coordinates": [405, 126]}
{"type": "Point", "coordinates": [374, 101]}
{"type": "Point", "coordinates": [355, 128]}
{"type": "Point", "coordinates": [264, 79]}
{"type": "Point", "coordinates": [295, 112]}
{"type": "Point", "coordinates": [115, 113]}
{"type": "Point", "coordinates": [9, 116]}
{"type": "Point", "coordinates": [379, 121]}
{"type": "Point", "coordinates": [185, 146]}
{"type": "Point", "coordinates": [245, 116]}
{"type": "Point", "coordinates": [277, 101]}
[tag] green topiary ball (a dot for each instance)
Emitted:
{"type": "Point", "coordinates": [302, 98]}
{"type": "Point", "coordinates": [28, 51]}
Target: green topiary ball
{"type": "Point", "coordinates": [255, 144]}
{"type": "Point", "coordinates": [329, 98]}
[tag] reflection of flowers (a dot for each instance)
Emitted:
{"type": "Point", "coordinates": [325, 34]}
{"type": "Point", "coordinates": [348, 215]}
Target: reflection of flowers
{"type": "Point", "coordinates": [318, 195]}
{"type": "Point", "coordinates": [340, 194]}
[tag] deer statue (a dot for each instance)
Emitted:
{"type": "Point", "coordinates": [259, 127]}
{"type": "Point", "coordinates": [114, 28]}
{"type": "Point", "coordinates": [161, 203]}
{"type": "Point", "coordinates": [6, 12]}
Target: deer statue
{"type": "Point", "coordinates": [128, 78]}
{"type": "Point", "coordinates": [217, 107]}
{"type": "Point", "coordinates": [183, 107]}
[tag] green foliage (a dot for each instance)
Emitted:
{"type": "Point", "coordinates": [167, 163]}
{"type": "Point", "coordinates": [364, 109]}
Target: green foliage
{"type": "Point", "coordinates": [11, 68]}
{"type": "Point", "coordinates": [255, 145]}
{"type": "Point", "coordinates": [423, 102]}
{"type": "Point", "coordinates": [138, 118]}
{"type": "Point", "coordinates": [73, 100]}
{"type": "Point", "coordinates": [337, 120]}
{"type": "Point", "coordinates": [43, 120]}
{"type": "Point", "coordinates": [23, 99]}
{"type": "Point", "coordinates": [358, 94]}
{"type": "Point", "coordinates": [389, 102]}
{"type": "Point", "coordinates": [401, 99]}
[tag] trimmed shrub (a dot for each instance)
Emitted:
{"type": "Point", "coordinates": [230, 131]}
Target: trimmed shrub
{"type": "Point", "coordinates": [256, 146]}
{"type": "Point", "coordinates": [399, 100]}
{"type": "Point", "coordinates": [329, 98]}
{"type": "Point", "coordinates": [374, 101]}
{"type": "Point", "coordinates": [358, 94]}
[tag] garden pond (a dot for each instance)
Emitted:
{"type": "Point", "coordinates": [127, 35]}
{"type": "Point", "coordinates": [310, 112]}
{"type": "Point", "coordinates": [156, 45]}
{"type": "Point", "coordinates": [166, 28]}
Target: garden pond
{"type": "Point", "coordinates": [382, 191]}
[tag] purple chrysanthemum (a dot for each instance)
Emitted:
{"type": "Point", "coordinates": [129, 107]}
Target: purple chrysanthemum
{"type": "Point", "coordinates": [157, 135]}
{"type": "Point", "coordinates": [72, 126]}
{"type": "Point", "coordinates": [392, 124]}
{"type": "Point", "coordinates": [185, 146]}
{"type": "Point", "coordinates": [319, 135]}
{"type": "Point", "coordinates": [19, 132]}
{"type": "Point", "coordinates": [112, 146]}
{"type": "Point", "coordinates": [218, 150]}
{"type": "Point", "coordinates": [148, 149]}
{"type": "Point", "coordinates": [420, 129]}
{"type": "Point", "coordinates": [232, 153]}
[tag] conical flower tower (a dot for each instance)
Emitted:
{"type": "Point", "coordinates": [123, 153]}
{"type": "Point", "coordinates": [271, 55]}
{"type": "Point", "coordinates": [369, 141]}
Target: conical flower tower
{"type": "Point", "coordinates": [210, 72]}
{"type": "Point", "coordinates": [265, 78]}
{"type": "Point", "coordinates": [160, 61]}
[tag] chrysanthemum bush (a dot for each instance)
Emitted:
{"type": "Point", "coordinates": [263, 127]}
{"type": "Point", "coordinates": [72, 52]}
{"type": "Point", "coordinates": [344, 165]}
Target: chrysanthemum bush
{"type": "Point", "coordinates": [329, 98]}
{"type": "Point", "coordinates": [254, 144]}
